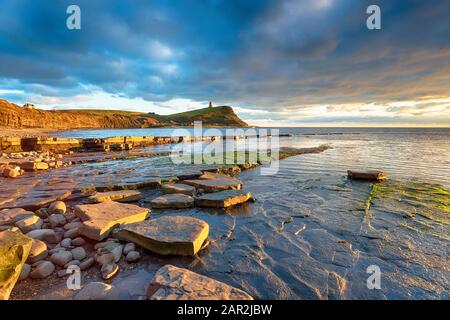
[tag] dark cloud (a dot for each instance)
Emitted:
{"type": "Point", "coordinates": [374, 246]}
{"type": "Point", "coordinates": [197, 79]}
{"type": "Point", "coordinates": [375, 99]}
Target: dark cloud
{"type": "Point", "coordinates": [266, 55]}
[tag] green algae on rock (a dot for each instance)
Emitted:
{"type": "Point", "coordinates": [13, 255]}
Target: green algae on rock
{"type": "Point", "coordinates": [14, 250]}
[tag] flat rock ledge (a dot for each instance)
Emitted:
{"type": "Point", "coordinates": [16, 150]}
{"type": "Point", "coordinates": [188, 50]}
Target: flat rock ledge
{"type": "Point", "coordinates": [99, 219]}
{"type": "Point", "coordinates": [172, 283]}
{"type": "Point", "coordinates": [178, 188]}
{"type": "Point", "coordinates": [222, 199]}
{"type": "Point", "coordinates": [169, 235]}
{"type": "Point", "coordinates": [172, 201]}
{"type": "Point", "coordinates": [120, 196]}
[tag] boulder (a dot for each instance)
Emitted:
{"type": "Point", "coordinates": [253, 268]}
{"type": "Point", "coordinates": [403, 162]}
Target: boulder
{"type": "Point", "coordinates": [222, 199]}
{"type": "Point", "coordinates": [57, 207]}
{"type": "Point", "coordinates": [168, 235]}
{"type": "Point", "coordinates": [99, 219]}
{"type": "Point", "coordinates": [172, 201]}
{"type": "Point", "coordinates": [30, 223]}
{"type": "Point", "coordinates": [367, 175]}
{"type": "Point", "coordinates": [120, 196]}
{"type": "Point", "coordinates": [97, 291]}
{"type": "Point", "coordinates": [38, 251]}
{"type": "Point", "coordinates": [178, 188]}
{"type": "Point", "coordinates": [172, 283]}
{"type": "Point", "coordinates": [14, 250]}
{"type": "Point", "coordinates": [42, 270]}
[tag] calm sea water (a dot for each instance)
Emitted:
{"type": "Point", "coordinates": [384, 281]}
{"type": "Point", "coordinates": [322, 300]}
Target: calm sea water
{"type": "Point", "coordinates": [406, 153]}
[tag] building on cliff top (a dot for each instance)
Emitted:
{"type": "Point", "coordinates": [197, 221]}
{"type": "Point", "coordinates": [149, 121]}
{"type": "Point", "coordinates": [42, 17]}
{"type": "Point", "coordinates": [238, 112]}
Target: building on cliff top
{"type": "Point", "coordinates": [29, 106]}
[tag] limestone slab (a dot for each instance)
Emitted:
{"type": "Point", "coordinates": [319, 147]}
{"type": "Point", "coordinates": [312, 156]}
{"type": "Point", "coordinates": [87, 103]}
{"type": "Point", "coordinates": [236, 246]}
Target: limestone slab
{"type": "Point", "coordinates": [178, 188]}
{"type": "Point", "coordinates": [172, 201]}
{"type": "Point", "coordinates": [215, 185]}
{"type": "Point", "coordinates": [120, 196]}
{"type": "Point", "coordinates": [222, 199]}
{"type": "Point", "coordinates": [168, 235]}
{"type": "Point", "coordinates": [173, 283]}
{"type": "Point", "coordinates": [99, 219]}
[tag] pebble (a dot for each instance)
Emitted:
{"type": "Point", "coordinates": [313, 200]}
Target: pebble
{"type": "Point", "coordinates": [62, 273]}
{"type": "Point", "coordinates": [72, 263]}
{"type": "Point", "coordinates": [72, 225]}
{"type": "Point", "coordinates": [87, 263]}
{"type": "Point", "coordinates": [78, 242]}
{"type": "Point", "coordinates": [128, 248]}
{"type": "Point", "coordinates": [66, 243]}
{"type": "Point", "coordinates": [72, 233]}
{"type": "Point", "coordinates": [57, 207]}
{"type": "Point", "coordinates": [133, 256]}
{"type": "Point", "coordinates": [42, 270]}
{"type": "Point", "coordinates": [57, 220]}
{"type": "Point", "coordinates": [109, 270]}
{"type": "Point", "coordinates": [61, 258]}
{"type": "Point", "coordinates": [79, 253]}
{"type": "Point", "coordinates": [26, 269]}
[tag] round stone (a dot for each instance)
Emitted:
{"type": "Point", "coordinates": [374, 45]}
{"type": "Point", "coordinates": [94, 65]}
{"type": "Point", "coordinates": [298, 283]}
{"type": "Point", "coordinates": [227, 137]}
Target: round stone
{"type": "Point", "coordinates": [57, 207]}
{"type": "Point", "coordinates": [24, 273]}
{"type": "Point", "coordinates": [61, 258]}
{"type": "Point", "coordinates": [128, 248]}
{"type": "Point", "coordinates": [86, 263]}
{"type": "Point", "coordinates": [133, 256]}
{"type": "Point", "coordinates": [109, 270]}
{"type": "Point", "coordinates": [78, 242]}
{"type": "Point", "coordinates": [42, 270]}
{"type": "Point", "coordinates": [79, 253]}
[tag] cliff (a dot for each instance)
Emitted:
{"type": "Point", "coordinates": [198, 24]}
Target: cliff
{"type": "Point", "coordinates": [14, 116]}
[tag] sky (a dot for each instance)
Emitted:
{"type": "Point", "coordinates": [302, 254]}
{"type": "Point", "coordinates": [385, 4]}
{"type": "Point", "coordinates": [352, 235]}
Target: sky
{"type": "Point", "coordinates": [278, 62]}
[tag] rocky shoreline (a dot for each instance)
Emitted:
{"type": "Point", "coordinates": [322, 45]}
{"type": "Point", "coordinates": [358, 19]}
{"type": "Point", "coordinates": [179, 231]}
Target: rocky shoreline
{"type": "Point", "coordinates": [97, 229]}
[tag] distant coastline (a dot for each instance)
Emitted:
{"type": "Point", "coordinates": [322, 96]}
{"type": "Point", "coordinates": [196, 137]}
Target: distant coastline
{"type": "Point", "coordinates": [40, 122]}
